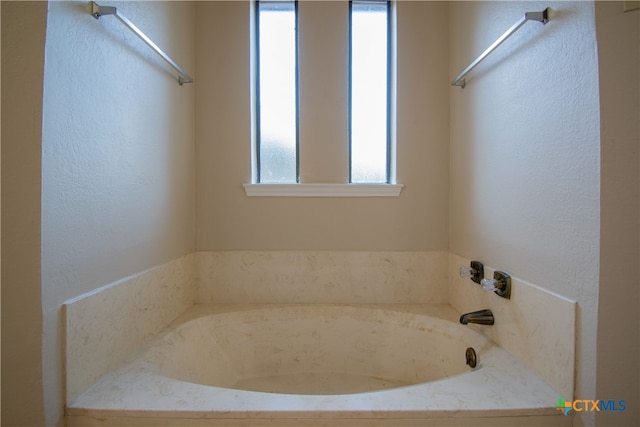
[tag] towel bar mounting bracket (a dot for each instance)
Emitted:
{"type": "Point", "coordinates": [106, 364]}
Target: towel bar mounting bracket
{"type": "Point", "coordinates": [97, 11]}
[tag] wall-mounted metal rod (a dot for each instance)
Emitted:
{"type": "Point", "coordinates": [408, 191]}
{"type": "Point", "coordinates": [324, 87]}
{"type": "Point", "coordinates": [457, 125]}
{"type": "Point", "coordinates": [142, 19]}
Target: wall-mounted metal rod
{"type": "Point", "coordinates": [97, 11]}
{"type": "Point", "coordinates": [529, 16]}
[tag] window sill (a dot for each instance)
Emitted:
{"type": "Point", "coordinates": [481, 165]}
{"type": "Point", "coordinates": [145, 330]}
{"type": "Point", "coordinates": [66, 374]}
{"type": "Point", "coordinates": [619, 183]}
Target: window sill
{"type": "Point", "coordinates": [323, 190]}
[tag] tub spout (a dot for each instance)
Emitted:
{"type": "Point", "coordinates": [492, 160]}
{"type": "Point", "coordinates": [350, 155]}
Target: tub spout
{"type": "Point", "coordinates": [482, 317]}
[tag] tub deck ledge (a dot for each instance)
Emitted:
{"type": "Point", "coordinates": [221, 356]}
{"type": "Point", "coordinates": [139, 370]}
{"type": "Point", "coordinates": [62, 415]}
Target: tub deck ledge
{"type": "Point", "coordinates": [134, 394]}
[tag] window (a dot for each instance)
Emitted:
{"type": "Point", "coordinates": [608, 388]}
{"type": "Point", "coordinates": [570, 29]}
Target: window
{"type": "Point", "coordinates": [275, 96]}
{"type": "Point", "coordinates": [369, 97]}
{"type": "Point", "coordinates": [277, 92]}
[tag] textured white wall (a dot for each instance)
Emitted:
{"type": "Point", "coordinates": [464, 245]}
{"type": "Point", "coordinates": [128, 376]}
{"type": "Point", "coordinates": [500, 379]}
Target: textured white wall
{"type": "Point", "coordinates": [117, 158]}
{"type": "Point", "coordinates": [525, 152]}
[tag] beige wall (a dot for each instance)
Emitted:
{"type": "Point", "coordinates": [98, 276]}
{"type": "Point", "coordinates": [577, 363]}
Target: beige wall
{"type": "Point", "coordinates": [525, 150]}
{"type": "Point", "coordinates": [324, 85]}
{"type": "Point", "coordinates": [23, 46]}
{"type": "Point", "coordinates": [226, 219]}
{"type": "Point", "coordinates": [618, 343]}
{"type": "Point", "coordinates": [117, 157]}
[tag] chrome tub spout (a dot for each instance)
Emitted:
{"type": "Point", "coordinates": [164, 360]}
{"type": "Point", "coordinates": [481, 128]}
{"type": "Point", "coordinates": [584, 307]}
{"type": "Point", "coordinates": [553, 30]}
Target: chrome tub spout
{"type": "Point", "coordinates": [481, 317]}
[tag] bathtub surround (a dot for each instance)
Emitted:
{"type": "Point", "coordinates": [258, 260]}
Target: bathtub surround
{"type": "Point", "coordinates": [535, 325]}
{"type": "Point", "coordinates": [414, 342]}
{"type": "Point", "coordinates": [108, 324]}
{"type": "Point", "coordinates": [105, 326]}
{"type": "Point", "coordinates": [352, 277]}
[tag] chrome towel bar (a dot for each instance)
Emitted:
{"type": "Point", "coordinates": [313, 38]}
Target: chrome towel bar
{"type": "Point", "coordinates": [97, 11]}
{"type": "Point", "coordinates": [529, 16]}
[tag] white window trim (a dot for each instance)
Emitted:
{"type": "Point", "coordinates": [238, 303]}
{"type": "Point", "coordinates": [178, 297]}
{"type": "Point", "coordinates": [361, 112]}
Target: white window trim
{"type": "Point", "coordinates": [323, 190]}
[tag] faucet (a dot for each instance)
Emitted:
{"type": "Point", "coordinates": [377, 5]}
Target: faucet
{"type": "Point", "coordinates": [482, 317]}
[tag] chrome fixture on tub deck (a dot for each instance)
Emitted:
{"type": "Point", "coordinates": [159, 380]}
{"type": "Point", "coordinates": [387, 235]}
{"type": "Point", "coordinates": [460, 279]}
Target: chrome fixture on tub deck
{"type": "Point", "coordinates": [481, 317]}
{"type": "Point", "coordinates": [471, 356]}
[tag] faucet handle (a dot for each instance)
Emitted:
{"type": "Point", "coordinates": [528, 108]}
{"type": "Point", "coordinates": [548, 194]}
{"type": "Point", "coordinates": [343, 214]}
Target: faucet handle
{"type": "Point", "coordinates": [474, 272]}
{"type": "Point", "coordinates": [489, 284]}
{"type": "Point", "coordinates": [500, 284]}
{"type": "Point", "coordinates": [467, 272]}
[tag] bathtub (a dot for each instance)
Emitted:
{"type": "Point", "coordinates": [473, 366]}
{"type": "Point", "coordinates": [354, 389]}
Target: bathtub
{"type": "Point", "coordinates": [318, 364]}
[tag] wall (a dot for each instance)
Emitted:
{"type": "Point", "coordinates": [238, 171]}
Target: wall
{"type": "Point", "coordinates": [23, 46]}
{"type": "Point", "coordinates": [228, 220]}
{"type": "Point", "coordinates": [117, 157]}
{"type": "Point", "coordinates": [618, 349]}
{"type": "Point", "coordinates": [525, 155]}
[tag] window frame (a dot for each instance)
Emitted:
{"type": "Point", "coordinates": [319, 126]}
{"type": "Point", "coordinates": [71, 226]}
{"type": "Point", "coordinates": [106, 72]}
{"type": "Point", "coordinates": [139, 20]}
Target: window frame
{"type": "Point", "coordinates": [389, 179]}
{"type": "Point", "coordinates": [390, 188]}
{"type": "Point", "coordinates": [257, 172]}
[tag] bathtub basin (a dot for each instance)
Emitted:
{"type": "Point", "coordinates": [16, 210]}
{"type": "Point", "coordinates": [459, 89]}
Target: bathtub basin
{"type": "Point", "coordinates": [314, 350]}
{"type": "Point", "coordinates": [298, 364]}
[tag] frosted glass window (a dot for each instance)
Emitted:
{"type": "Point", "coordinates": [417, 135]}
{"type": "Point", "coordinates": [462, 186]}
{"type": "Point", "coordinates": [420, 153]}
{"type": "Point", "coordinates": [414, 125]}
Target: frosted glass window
{"type": "Point", "coordinates": [277, 93]}
{"type": "Point", "coordinates": [369, 92]}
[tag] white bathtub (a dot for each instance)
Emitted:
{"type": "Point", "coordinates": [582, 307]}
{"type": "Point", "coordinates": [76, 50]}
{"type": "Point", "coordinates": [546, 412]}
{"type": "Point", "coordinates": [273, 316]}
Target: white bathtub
{"type": "Point", "coordinates": [318, 365]}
